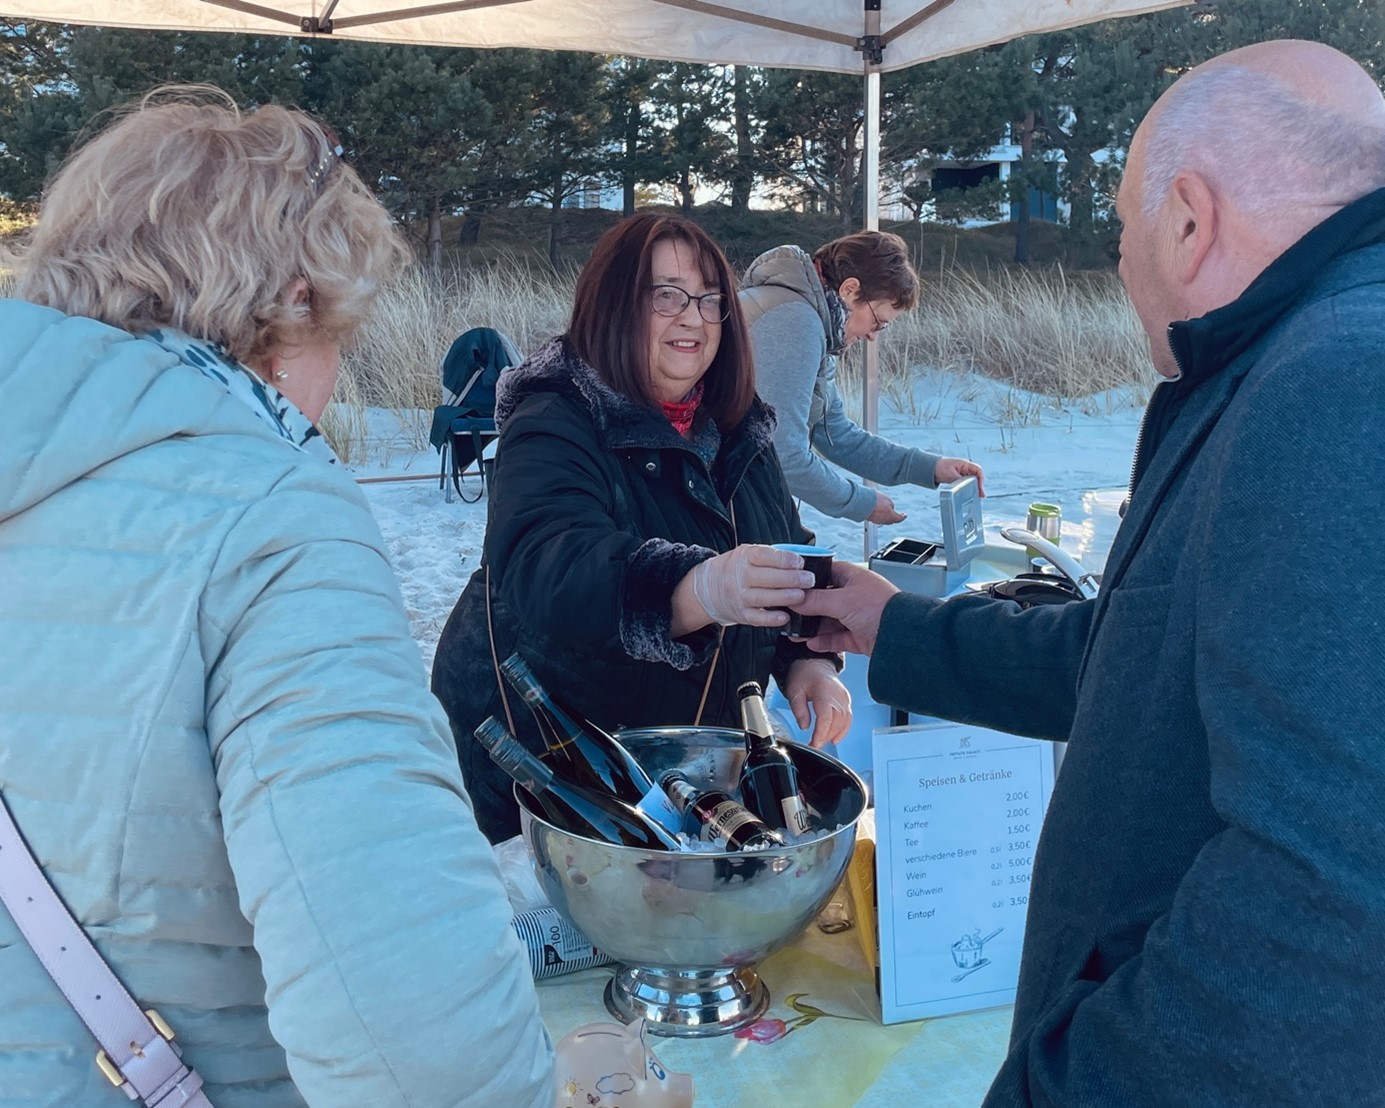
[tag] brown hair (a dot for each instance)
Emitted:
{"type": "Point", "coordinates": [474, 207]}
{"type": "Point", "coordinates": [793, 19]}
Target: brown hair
{"type": "Point", "coordinates": [609, 328]}
{"type": "Point", "coordinates": [878, 259]}
{"type": "Point", "coordinates": [188, 212]}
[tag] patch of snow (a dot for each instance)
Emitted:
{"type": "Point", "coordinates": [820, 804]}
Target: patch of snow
{"type": "Point", "coordinates": [1077, 455]}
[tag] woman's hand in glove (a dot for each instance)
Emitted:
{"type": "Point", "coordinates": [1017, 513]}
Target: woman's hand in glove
{"type": "Point", "coordinates": [740, 586]}
{"type": "Point", "coordinates": [814, 682]}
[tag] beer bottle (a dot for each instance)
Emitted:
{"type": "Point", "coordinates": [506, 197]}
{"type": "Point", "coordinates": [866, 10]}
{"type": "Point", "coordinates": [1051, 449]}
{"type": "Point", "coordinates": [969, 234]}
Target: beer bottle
{"type": "Point", "coordinates": [713, 816]}
{"type": "Point", "coordinates": [769, 781]}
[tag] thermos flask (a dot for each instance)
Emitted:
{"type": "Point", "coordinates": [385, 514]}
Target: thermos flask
{"type": "Point", "coordinates": [1046, 521]}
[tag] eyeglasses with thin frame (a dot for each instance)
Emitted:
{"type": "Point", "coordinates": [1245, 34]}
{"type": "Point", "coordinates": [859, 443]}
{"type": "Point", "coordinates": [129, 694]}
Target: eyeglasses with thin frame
{"type": "Point", "coordinates": [878, 325]}
{"type": "Point", "coordinates": [670, 300]}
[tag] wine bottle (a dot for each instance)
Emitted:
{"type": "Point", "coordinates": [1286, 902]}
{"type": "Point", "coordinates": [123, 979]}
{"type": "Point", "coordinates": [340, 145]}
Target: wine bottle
{"type": "Point", "coordinates": [585, 754]}
{"type": "Point", "coordinates": [714, 816]}
{"type": "Point", "coordinates": [582, 811]}
{"type": "Point", "coordinates": [769, 781]}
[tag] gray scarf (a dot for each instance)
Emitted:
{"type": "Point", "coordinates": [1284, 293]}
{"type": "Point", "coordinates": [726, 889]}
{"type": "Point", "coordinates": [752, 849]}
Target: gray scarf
{"type": "Point", "coordinates": [838, 311]}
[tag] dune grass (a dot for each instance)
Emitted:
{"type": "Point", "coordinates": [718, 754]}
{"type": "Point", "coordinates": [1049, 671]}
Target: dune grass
{"type": "Point", "coordinates": [1032, 337]}
{"type": "Point", "coordinates": [396, 360]}
{"type": "Point", "coordinates": [1040, 336]}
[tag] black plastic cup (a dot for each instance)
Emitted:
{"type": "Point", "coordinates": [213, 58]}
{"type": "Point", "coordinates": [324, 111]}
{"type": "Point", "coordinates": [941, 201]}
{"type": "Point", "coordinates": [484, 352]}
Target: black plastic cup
{"type": "Point", "coordinates": [817, 560]}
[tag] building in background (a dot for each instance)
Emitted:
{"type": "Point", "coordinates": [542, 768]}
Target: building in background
{"type": "Point", "coordinates": [976, 192]}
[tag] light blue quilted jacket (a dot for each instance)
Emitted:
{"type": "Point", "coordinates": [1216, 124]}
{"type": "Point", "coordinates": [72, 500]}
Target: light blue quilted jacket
{"type": "Point", "coordinates": [216, 734]}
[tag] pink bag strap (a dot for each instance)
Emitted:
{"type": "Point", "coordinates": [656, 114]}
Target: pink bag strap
{"type": "Point", "coordinates": [137, 1055]}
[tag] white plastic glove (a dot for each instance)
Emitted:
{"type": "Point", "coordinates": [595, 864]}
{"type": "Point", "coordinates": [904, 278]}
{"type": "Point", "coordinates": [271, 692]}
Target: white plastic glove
{"type": "Point", "coordinates": [814, 682]}
{"type": "Point", "coordinates": [742, 585]}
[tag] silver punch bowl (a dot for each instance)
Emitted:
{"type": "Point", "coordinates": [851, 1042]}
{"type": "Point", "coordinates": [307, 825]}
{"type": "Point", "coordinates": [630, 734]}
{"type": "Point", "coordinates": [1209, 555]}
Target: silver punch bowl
{"type": "Point", "coordinates": [688, 929]}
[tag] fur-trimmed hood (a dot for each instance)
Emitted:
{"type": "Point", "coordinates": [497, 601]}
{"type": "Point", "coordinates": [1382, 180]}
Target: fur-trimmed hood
{"type": "Point", "coordinates": [620, 421]}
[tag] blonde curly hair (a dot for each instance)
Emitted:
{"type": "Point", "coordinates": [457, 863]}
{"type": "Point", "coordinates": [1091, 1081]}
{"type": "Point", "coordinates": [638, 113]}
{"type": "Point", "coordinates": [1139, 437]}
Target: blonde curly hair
{"type": "Point", "coordinates": [188, 212]}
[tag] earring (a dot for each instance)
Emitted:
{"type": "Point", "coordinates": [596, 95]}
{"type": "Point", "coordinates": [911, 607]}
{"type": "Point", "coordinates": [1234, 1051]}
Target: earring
{"type": "Point", "coordinates": [281, 375]}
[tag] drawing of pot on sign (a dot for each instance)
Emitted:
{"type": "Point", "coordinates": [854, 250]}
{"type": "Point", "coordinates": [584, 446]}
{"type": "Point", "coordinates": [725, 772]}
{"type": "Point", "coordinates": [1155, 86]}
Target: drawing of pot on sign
{"type": "Point", "coordinates": [966, 952]}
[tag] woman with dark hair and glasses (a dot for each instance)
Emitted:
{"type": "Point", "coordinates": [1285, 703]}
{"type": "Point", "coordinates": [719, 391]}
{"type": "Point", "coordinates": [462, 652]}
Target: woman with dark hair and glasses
{"type": "Point", "coordinates": [803, 311]}
{"type": "Point", "coordinates": [635, 496]}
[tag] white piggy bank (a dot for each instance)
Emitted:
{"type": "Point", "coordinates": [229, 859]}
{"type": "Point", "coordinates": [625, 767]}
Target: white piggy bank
{"type": "Point", "coordinates": [609, 1065]}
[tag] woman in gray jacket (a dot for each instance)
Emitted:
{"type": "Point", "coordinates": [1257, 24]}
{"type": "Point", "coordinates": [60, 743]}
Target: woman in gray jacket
{"type": "Point", "coordinates": [803, 311]}
{"type": "Point", "coordinates": [215, 731]}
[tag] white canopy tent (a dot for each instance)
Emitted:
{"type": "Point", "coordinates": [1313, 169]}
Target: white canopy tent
{"type": "Point", "coordinates": [800, 34]}
{"type": "Point", "coordinates": [843, 36]}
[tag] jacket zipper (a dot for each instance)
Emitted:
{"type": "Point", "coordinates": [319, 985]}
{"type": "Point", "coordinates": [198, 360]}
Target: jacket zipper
{"type": "Point", "coordinates": [735, 542]}
{"type": "Point", "coordinates": [822, 421]}
{"type": "Point", "coordinates": [731, 496]}
{"type": "Point", "coordinates": [730, 516]}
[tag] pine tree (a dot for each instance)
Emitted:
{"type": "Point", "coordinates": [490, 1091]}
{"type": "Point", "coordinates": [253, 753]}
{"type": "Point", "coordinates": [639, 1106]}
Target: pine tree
{"type": "Point", "coordinates": [629, 133]}
{"type": "Point", "coordinates": [39, 113]}
{"type": "Point", "coordinates": [814, 127]}
{"type": "Point", "coordinates": [567, 120]}
{"type": "Point", "coordinates": [58, 81]}
{"type": "Point", "coordinates": [692, 109]}
{"type": "Point", "coordinates": [412, 122]}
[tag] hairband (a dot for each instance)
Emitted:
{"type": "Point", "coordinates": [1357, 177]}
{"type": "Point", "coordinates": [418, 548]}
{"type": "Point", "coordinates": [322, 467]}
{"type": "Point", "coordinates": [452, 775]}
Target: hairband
{"type": "Point", "coordinates": [318, 173]}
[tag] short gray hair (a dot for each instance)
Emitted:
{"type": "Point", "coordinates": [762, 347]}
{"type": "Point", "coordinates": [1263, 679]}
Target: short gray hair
{"type": "Point", "coordinates": [1260, 142]}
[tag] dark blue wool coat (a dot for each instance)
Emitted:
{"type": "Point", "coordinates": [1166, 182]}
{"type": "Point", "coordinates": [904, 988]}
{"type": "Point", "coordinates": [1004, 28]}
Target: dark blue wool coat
{"type": "Point", "coordinates": [1207, 919]}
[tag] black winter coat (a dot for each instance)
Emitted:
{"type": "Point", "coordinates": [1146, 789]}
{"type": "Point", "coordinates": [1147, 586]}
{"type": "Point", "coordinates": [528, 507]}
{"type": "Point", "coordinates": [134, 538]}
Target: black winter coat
{"type": "Point", "coordinates": [598, 509]}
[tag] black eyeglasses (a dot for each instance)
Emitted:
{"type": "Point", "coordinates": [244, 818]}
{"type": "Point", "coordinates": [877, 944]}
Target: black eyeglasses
{"type": "Point", "coordinates": [878, 325]}
{"type": "Point", "coordinates": [670, 300]}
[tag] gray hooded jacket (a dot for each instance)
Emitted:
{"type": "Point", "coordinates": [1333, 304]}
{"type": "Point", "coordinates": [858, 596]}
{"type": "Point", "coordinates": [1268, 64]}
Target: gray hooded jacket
{"type": "Point", "coordinates": [795, 345]}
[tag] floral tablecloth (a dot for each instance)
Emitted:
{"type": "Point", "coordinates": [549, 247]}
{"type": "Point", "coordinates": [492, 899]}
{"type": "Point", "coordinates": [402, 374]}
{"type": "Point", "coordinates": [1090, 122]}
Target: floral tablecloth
{"type": "Point", "coordinates": [820, 1044]}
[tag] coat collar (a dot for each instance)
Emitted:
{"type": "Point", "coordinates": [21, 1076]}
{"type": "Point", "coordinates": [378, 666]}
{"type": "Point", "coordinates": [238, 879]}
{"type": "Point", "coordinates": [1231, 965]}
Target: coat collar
{"type": "Point", "coordinates": [1324, 260]}
{"type": "Point", "coordinates": [1206, 345]}
{"type": "Point", "coordinates": [1217, 351]}
{"type": "Point", "coordinates": [620, 422]}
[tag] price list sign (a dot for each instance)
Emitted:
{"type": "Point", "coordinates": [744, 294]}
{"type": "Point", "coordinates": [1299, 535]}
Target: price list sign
{"type": "Point", "coordinates": [957, 814]}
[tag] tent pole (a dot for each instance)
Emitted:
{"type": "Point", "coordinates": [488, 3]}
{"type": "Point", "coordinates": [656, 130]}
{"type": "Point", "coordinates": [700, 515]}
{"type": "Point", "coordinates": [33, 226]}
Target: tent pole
{"type": "Point", "coordinates": [870, 195]}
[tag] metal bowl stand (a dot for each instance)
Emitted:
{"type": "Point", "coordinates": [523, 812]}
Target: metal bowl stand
{"type": "Point", "coordinates": [687, 1004]}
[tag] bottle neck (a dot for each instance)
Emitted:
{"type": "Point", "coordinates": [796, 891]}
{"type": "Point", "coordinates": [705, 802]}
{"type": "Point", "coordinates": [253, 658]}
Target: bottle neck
{"type": "Point", "coordinates": [527, 685]}
{"type": "Point", "coordinates": [522, 766]}
{"type": "Point", "coordinates": [759, 742]}
{"type": "Point", "coordinates": [518, 673]}
{"type": "Point", "coordinates": [544, 707]}
{"type": "Point", "coordinates": [755, 721]}
{"type": "Point", "coordinates": [682, 792]}
{"type": "Point", "coordinates": [536, 698]}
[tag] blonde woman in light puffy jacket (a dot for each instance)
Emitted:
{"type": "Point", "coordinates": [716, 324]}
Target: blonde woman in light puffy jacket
{"type": "Point", "coordinates": [215, 730]}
